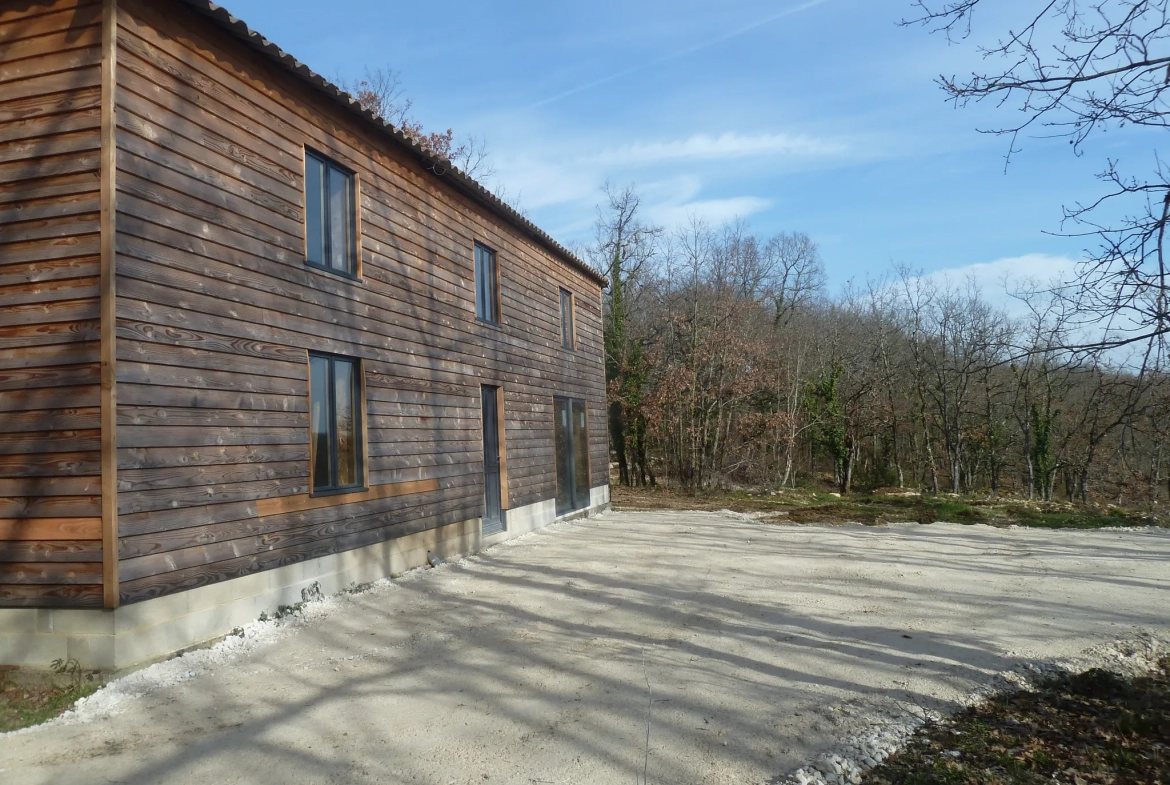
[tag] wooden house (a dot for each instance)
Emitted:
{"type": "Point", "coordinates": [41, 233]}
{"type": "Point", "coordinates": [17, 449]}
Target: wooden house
{"type": "Point", "coordinates": [253, 338]}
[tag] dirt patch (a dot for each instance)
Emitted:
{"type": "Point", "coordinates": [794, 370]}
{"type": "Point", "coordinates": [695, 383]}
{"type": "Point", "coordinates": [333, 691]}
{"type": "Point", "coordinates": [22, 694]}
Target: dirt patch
{"type": "Point", "coordinates": [1090, 728]}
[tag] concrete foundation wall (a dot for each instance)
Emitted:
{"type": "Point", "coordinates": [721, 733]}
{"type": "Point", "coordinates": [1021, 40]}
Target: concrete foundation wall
{"type": "Point", "coordinates": [136, 634]}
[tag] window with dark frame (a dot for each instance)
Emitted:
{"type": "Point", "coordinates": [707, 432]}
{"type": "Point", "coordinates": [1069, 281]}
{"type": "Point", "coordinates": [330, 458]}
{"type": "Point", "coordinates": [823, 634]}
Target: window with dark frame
{"type": "Point", "coordinates": [335, 423]}
{"type": "Point", "coordinates": [330, 216]}
{"type": "Point", "coordinates": [568, 329]}
{"type": "Point", "coordinates": [487, 290]}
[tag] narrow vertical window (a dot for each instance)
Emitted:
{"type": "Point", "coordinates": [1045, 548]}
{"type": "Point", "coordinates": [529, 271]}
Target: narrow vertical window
{"type": "Point", "coordinates": [335, 412]}
{"type": "Point", "coordinates": [330, 216]}
{"type": "Point", "coordinates": [487, 292]}
{"type": "Point", "coordinates": [568, 328]}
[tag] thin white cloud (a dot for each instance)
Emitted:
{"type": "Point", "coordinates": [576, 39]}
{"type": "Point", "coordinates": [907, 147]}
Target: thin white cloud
{"type": "Point", "coordinates": [713, 211]}
{"type": "Point", "coordinates": [1003, 274]}
{"type": "Point", "coordinates": [999, 278]}
{"type": "Point", "coordinates": [680, 53]}
{"type": "Point", "coordinates": [705, 147]}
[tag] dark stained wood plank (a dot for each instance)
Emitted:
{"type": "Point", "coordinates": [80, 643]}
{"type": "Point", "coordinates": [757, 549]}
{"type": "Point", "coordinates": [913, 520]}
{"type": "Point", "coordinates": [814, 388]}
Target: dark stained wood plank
{"type": "Point", "coordinates": [42, 408]}
{"type": "Point", "coordinates": [49, 291]}
{"type": "Point", "coordinates": [41, 596]}
{"type": "Point", "coordinates": [183, 398]}
{"type": "Point", "coordinates": [56, 50]}
{"type": "Point", "coordinates": [164, 353]}
{"type": "Point", "coordinates": [138, 331]}
{"type": "Point", "coordinates": [52, 142]}
{"type": "Point", "coordinates": [130, 436]}
{"type": "Point", "coordinates": [55, 82]}
{"type": "Point", "coordinates": [211, 418]}
{"type": "Point", "coordinates": [74, 246]}
{"type": "Point", "coordinates": [49, 442]}
{"type": "Point", "coordinates": [47, 168]}
{"type": "Point", "coordinates": [216, 474]}
{"type": "Point", "coordinates": [48, 228]}
{"type": "Point", "coordinates": [56, 485]}
{"type": "Point", "coordinates": [46, 271]}
{"type": "Point", "coordinates": [43, 355]}
{"type": "Point", "coordinates": [50, 465]}
{"type": "Point", "coordinates": [130, 459]}
{"type": "Point", "coordinates": [48, 377]}
{"type": "Point", "coordinates": [187, 378]}
{"type": "Point", "coordinates": [50, 507]}
{"type": "Point", "coordinates": [62, 573]}
{"type": "Point", "coordinates": [51, 551]}
{"type": "Point", "coordinates": [22, 20]}
{"type": "Point", "coordinates": [68, 111]}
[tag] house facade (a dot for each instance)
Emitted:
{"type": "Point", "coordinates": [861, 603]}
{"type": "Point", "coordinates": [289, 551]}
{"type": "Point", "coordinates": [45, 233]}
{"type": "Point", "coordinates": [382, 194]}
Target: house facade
{"type": "Point", "coordinates": [253, 338]}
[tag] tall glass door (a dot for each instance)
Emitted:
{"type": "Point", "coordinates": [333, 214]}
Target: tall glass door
{"type": "Point", "coordinates": [571, 442]}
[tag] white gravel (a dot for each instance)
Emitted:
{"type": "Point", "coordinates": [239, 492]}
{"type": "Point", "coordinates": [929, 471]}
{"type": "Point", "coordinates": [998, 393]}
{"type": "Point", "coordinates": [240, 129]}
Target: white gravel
{"type": "Point", "coordinates": [774, 654]}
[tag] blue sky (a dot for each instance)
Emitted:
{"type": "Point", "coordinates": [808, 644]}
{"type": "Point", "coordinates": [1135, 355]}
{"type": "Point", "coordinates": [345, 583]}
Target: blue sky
{"type": "Point", "coordinates": [819, 117]}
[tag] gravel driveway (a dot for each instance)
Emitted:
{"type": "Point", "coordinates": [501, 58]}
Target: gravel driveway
{"type": "Point", "coordinates": [763, 646]}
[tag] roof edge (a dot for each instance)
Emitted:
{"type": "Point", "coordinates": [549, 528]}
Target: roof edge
{"type": "Point", "coordinates": [439, 167]}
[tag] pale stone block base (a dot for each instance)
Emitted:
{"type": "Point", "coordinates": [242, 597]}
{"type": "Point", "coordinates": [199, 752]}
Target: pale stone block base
{"type": "Point", "coordinates": [146, 631]}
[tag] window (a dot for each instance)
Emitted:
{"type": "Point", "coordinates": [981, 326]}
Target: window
{"type": "Point", "coordinates": [487, 290]}
{"type": "Point", "coordinates": [571, 446]}
{"type": "Point", "coordinates": [330, 219]}
{"type": "Point", "coordinates": [335, 427]}
{"type": "Point", "coordinates": [568, 328]}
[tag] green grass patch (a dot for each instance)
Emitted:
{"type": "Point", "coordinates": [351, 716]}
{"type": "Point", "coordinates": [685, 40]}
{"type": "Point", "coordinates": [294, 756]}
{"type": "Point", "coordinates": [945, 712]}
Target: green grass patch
{"type": "Point", "coordinates": [816, 505]}
{"type": "Point", "coordinates": [1028, 516]}
{"type": "Point", "coordinates": [1090, 728]}
{"type": "Point", "coordinates": [24, 705]}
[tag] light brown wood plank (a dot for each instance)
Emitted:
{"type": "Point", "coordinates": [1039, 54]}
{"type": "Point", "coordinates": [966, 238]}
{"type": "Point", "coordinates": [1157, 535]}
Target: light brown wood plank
{"type": "Point", "coordinates": [32, 529]}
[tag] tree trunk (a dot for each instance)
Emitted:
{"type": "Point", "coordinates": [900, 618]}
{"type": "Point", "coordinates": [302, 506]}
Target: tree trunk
{"type": "Point", "coordinates": [617, 430]}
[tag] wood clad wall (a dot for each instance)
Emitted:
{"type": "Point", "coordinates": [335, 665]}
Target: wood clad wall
{"type": "Point", "coordinates": [217, 310]}
{"type": "Point", "coordinates": [50, 459]}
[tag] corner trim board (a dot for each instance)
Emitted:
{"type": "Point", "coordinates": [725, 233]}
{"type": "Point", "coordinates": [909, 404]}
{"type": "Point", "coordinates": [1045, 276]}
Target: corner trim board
{"type": "Point", "coordinates": [109, 401]}
{"type": "Point", "coordinates": [502, 440]}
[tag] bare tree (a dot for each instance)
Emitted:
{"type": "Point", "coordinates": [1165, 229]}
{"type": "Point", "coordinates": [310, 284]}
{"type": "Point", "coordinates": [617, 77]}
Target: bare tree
{"type": "Point", "coordinates": [1074, 68]}
{"type": "Point", "coordinates": [799, 272]}
{"type": "Point", "coordinates": [380, 90]}
{"type": "Point", "coordinates": [625, 246]}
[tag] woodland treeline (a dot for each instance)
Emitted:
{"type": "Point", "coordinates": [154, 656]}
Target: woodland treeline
{"type": "Point", "coordinates": [730, 363]}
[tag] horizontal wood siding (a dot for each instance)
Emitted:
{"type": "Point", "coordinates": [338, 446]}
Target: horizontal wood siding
{"type": "Point", "coordinates": [217, 312]}
{"type": "Point", "coordinates": [50, 459]}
